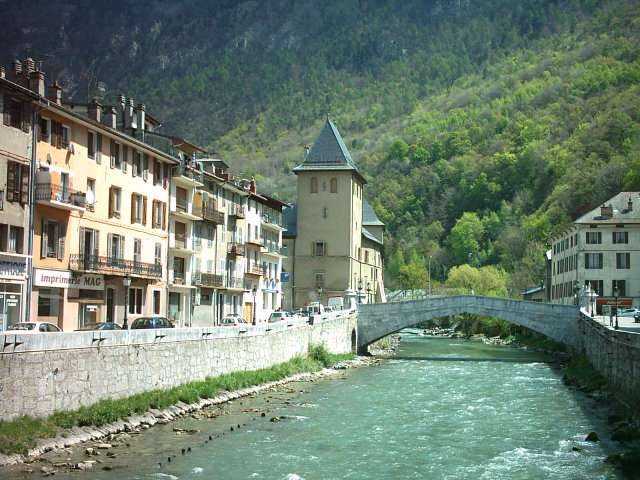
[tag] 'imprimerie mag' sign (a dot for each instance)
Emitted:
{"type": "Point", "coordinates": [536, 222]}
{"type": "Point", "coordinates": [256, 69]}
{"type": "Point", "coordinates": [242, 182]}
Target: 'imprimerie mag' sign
{"type": "Point", "coordinates": [67, 279]}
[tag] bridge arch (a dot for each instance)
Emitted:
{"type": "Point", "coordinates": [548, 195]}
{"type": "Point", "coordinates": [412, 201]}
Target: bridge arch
{"type": "Point", "coordinates": [558, 322]}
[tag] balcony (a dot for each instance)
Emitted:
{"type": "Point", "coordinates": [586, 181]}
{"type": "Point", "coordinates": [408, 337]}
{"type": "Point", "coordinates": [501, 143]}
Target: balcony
{"type": "Point", "coordinates": [255, 270]}
{"type": "Point", "coordinates": [237, 283]}
{"type": "Point", "coordinates": [197, 244]}
{"type": "Point", "coordinates": [182, 210]}
{"type": "Point", "coordinates": [178, 277]}
{"type": "Point", "coordinates": [187, 176]}
{"type": "Point", "coordinates": [114, 266]}
{"type": "Point", "coordinates": [208, 280]}
{"type": "Point", "coordinates": [272, 248]}
{"type": "Point", "coordinates": [236, 249]}
{"type": "Point", "coordinates": [210, 213]}
{"type": "Point", "coordinates": [272, 220]}
{"type": "Point", "coordinates": [58, 196]}
{"type": "Point", "coordinates": [180, 242]}
{"type": "Point", "coordinates": [237, 211]}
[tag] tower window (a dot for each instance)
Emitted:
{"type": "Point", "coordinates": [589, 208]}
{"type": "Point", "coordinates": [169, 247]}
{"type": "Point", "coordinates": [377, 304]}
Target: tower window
{"type": "Point", "coordinates": [314, 185]}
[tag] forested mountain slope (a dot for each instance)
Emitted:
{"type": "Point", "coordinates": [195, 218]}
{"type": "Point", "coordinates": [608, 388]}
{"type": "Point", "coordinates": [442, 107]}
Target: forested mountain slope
{"type": "Point", "coordinates": [521, 114]}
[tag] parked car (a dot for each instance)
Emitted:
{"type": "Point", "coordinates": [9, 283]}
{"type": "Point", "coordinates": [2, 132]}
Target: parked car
{"type": "Point", "coordinates": [316, 308]}
{"type": "Point", "coordinates": [337, 303]}
{"type": "Point", "coordinates": [32, 327]}
{"type": "Point", "coordinates": [278, 317]}
{"type": "Point", "coordinates": [100, 326]}
{"type": "Point", "coordinates": [233, 320]}
{"type": "Point", "coordinates": [150, 322]}
{"type": "Point", "coordinates": [629, 312]}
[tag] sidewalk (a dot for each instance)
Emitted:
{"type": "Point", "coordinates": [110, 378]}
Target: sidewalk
{"type": "Point", "coordinates": [626, 324]}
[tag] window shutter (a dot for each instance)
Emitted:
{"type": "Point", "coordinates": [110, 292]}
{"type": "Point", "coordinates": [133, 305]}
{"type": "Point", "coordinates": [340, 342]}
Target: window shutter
{"type": "Point", "coordinates": [125, 158]}
{"type": "Point", "coordinates": [98, 148]}
{"type": "Point", "coordinates": [26, 118]}
{"type": "Point", "coordinates": [61, 240]}
{"type": "Point", "coordinates": [82, 230]}
{"type": "Point", "coordinates": [145, 167]}
{"type": "Point", "coordinates": [144, 210]}
{"type": "Point", "coordinates": [164, 216]}
{"type": "Point", "coordinates": [165, 175]}
{"type": "Point", "coordinates": [110, 245]}
{"type": "Point", "coordinates": [96, 244]}
{"type": "Point", "coordinates": [6, 118]}
{"type": "Point", "coordinates": [133, 208]}
{"type": "Point", "coordinates": [44, 240]}
{"type": "Point", "coordinates": [24, 191]}
{"type": "Point", "coordinates": [111, 202]}
{"type": "Point", "coordinates": [11, 180]}
{"type": "Point", "coordinates": [112, 153]}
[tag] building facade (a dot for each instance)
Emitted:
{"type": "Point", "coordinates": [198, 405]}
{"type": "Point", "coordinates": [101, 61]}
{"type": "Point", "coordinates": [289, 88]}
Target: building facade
{"type": "Point", "coordinates": [601, 251]}
{"type": "Point", "coordinates": [334, 238]}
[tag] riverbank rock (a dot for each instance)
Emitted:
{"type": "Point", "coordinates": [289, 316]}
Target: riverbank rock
{"type": "Point", "coordinates": [626, 432]}
{"type": "Point", "coordinates": [592, 437]}
{"type": "Point", "coordinates": [628, 461]}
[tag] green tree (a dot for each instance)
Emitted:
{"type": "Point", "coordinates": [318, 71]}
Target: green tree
{"type": "Point", "coordinates": [466, 237]}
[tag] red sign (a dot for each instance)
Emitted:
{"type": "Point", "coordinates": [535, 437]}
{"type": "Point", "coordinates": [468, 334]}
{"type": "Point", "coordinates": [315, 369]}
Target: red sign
{"type": "Point", "coordinates": [622, 302]}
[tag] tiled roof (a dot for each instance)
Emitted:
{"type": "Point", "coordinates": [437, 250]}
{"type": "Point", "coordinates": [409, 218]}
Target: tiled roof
{"type": "Point", "coordinates": [620, 211]}
{"type": "Point", "coordinates": [369, 216]}
{"type": "Point", "coordinates": [368, 235]}
{"type": "Point", "coordinates": [329, 152]}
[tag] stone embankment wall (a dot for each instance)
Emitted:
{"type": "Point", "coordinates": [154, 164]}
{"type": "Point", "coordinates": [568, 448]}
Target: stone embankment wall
{"type": "Point", "coordinates": [44, 373]}
{"type": "Point", "coordinates": [613, 353]}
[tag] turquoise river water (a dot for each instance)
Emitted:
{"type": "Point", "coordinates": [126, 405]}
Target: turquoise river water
{"type": "Point", "coordinates": [442, 409]}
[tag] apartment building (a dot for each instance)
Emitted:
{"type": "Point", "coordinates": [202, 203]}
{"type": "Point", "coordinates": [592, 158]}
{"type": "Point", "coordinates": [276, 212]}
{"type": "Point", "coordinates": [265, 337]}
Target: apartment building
{"type": "Point", "coordinates": [16, 150]}
{"type": "Point", "coordinates": [333, 236]}
{"type": "Point", "coordinates": [600, 250]}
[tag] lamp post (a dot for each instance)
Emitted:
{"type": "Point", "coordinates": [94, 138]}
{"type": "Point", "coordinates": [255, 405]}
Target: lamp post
{"type": "Point", "coordinates": [576, 289]}
{"type": "Point", "coordinates": [254, 290]}
{"type": "Point", "coordinates": [360, 291]}
{"type": "Point", "coordinates": [369, 292]}
{"type": "Point", "coordinates": [127, 283]}
{"type": "Point", "coordinates": [430, 257]}
{"type": "Point", "coordinates": [616, 292]}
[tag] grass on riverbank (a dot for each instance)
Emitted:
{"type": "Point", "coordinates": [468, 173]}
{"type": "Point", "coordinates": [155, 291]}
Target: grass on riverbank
{"type": "Point", "coordinates": [581, 373]}
{"type": "Point", "coordinates": [18, 435]}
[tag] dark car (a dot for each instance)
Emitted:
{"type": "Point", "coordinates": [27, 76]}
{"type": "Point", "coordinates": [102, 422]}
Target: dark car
{"type": "Point", "coordinates": [150, 322]}
{"type": "Point", "coordinates": [100, 326]}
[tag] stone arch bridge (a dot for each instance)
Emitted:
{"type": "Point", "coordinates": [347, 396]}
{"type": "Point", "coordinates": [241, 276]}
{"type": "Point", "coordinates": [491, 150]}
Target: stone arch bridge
{"type": "Point", "coordinates": [557, 322]}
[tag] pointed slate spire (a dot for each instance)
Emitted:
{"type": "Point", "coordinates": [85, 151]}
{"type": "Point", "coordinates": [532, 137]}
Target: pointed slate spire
{"type": "Point", "coordinates": [329, 152]}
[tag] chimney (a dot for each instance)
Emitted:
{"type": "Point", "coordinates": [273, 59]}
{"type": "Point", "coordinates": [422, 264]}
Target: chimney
{"type": "Point", "coordinates": [111, 117]}
{"type": "Point", "coordinates": [16, 70]}
{"type": "Point", "coordinates": [29, 66]}
{"type": "Point", "coordinates": [36, 82]}
{"type": "Point", "coordinates": [140, 116]}
{"type": "Point", "coordinates": [630, 205]}
{"type": "Point", "coordinates": [306, 151]}
{"type": "Point", "coordinates": [95, 110]}
{"type": "Point", "coordinates": [606, 211]}
{"type": "Point", "coordinates": [55, 93]}
{"type": "Point", "coordinates": [129, 119]}
{"type": "Point", "coordinates": [252, 185]}
{"type": "Point", "coordinates": [2, 72]}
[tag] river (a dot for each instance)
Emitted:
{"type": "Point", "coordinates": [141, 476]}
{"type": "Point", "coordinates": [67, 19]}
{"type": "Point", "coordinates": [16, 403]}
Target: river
{"type": "Point", "coordinates": [442, 409]}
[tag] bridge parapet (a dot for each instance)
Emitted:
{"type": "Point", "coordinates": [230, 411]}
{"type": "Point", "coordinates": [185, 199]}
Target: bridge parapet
{"type": "Point", "coordinates": [558, 322]}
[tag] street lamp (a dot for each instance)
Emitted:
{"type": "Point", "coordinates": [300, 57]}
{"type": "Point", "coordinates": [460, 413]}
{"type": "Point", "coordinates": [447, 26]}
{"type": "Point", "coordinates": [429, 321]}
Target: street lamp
{"type": "Point", "coordinates": [254, 291]}
{"type": "Point", "coordinates": [127, 283]}
{"type": "Point", "coordinates": [369, 292]}
{"type": "Point", "coordinates": [430, 257]}
{"type": "Point", "coordinates": [616, 292]}
{"type": "Point", "coordinates": [360, 291]}
{"type": "Point", "coordinates": [576, 289]}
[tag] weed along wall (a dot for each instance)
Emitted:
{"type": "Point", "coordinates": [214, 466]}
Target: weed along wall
{"type": "Point", "coordinates": [44, 373]}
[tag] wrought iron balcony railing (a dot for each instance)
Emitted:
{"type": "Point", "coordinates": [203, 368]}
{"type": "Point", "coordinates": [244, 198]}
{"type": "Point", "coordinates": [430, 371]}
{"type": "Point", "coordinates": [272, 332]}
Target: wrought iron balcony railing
{"type": "Point", "coordinates": [58, 193]}
{"type": "Point", "coordinates": [114, 266]}
{"type": "Point", "coordinates": [236, 249]}
{"type": "Point", "coordinates": [210, 280]}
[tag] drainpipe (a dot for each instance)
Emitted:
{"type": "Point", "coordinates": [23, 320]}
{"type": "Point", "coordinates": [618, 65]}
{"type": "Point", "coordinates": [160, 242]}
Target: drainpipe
{"type": "Point", "coordinates": [32, 198]}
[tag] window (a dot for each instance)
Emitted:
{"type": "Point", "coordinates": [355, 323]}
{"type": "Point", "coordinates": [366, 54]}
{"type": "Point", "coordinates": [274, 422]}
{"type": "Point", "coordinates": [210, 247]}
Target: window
{"type": "Point", "coordinates": [158, 210]}
{"type": "Point", "coordinates": [366, 256]}
{"type": "Point", "coordinates": [138, 164]}
{"type": "Point", "coordinates": [620, 237]}
{"type": "Point", "coordinates": [181, 199]}
{"type": "Point", "coordinates": [158, 254]}
{"type": "Point", "coordinates": [48, 302]}
{"type": "Point", "coordinates": [65, 136]}
{"type": "Point", "coordinates": [17, 182]}
{"type": "Point", "coordinates": [325, 212]}
{"type": "Point", "coordinates": [621, 285]}
{"type": "Point", "coordinates": [16, 236]}
{"type": "Point", "coordinates": [12, 112]}
{"type": "Point", "coordinates": [45, 130]}
{"type": "Point", "coordinates": [596, 286]}
{"type": "Point", "coordinates": [115, 202]}
{"type": "Point", "coordinates": [116, 155]}
{"type": "Point", "coordinates": [314, 185]}
{"type": "Point", "coordinates": [1, 199]}
{"type": "Point", "coordinates": [319, 279]}
{"type": "Point", "coordinates": [157, 172]}
{"type": "Point", "coordinates": [593, 260]}
{"type": "Point", "coordinates": [145, 167]}
{"type": "Point", "coordinates": [137, 250]}
{"type": "Point", "coordinates": [135, 300]}
{"type": "Point", "coordinates": [319, 249]}
{"type": "Point", "coordinates": [594, 238]}
{"type": "Point", "coordinates": [623, 260]}
{"type": "Point", "coordinates": [178, 269]}
{"type": "Point", "coordinates": [91, 194]}
{"type": "Point", "coordinates": [334, 185]}
{"type": "Point", "coordinates": [138, 209]}
{"type": "Point", "coordinates": [115, 247]}
{"type": "Point", "coordinates": [156, 302]}
{"type": "Point", "coordinates": [52, 240]}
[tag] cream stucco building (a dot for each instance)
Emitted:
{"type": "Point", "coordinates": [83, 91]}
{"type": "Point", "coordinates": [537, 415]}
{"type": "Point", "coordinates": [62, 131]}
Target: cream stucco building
{"type": "Point", "coordinates": [334, 239]}
{"type": "Point", "coordinates": [600, 250]}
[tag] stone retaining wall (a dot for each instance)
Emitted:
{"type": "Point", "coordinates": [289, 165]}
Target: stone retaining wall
{"type": "Point", "coordinates": [613, 353]}
{"type": "Point", "coordinates": [44, 373]}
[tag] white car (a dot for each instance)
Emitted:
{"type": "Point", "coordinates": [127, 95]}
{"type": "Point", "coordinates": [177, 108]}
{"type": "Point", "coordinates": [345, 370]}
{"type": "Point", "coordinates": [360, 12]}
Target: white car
{"type": "Point", "coordinates": [278, 316]}
{"type": "Point", "coordinates": [629, 312]}
{"type": "Point", "coordinates": [31, 327]}
{"type": "Point", "coordinates": [233, 320]}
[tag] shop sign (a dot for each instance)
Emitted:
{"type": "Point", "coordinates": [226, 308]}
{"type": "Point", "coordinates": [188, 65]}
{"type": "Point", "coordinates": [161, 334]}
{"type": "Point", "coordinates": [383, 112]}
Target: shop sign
{"type": "Point", "coordinates": [12, 300]}
{"type": "Point", "coordinates": [13, 267]}
{"type": "Point", "coordinates": [67, 279]}
{"type": "Point", "coordinates": [622, 301]}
